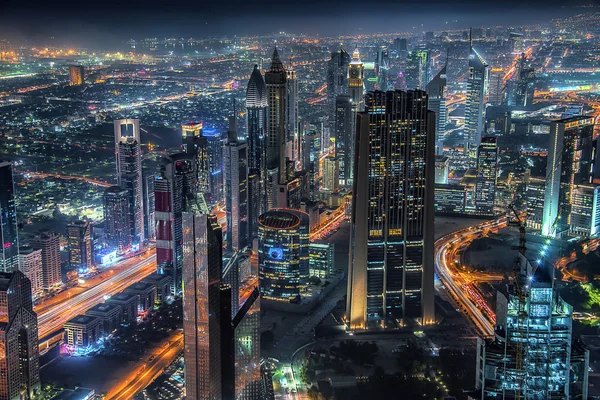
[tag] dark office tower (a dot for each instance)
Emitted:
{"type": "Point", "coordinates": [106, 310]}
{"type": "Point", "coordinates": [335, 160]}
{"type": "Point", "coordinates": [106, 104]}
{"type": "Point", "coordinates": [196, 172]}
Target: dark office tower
{"type": "Point", "coordinates": [256, 106]}
{"type": "Point", "coordinates": [475, 106]}
{"type": "Point", "coordinates": [76, 75]}
{"type": "Point", "coordinates": [214, 146]}
{"type": "Point", "coordinates": [202, 266]}
{"type": "Point", "coordinates": [196, 146]}
{"type": "Point", "coordinates": [235, 159]}
{"type": "Point", "coordinates": [390, 270]}
{"type": "Point", "coordinates": [496, 87]}
{"type": "Point", "coordinates": [344, 133]}
{"type": "Point", "coordinates": [19, 356]}
{"type": "Point", "coordinates": [9, 256]}
{"type": "Point", "coordinates": [525, 87]}
{"type": "Point", "coordinates": [79, 240]}
{"type": "Point", "coordinates": [246, 326]}
{"type": "Point", "coordinates": [401, 47]}
{"type": "Point", "coordinates": [291, 115]}
{"type": "Point", "coordinates": [417, 69]}
{"type": "Point", "coordinates": [275, 79]}
{"type": "Point", "coordinates": [437, 104]}
{"type": "Point", "coordinates": [337, 79]}
{"type": "Point", "coordinates": [382, 67]}
{"type": "Point", "coordinates": [149, 223]}
{"type": "Point", "coordinates": [129, 173]}
{"type": "Point", "coordinates": [487, 175]}
{"type": "Point", "coordinates": [49, 242]}
{"type": "Point", "coordinates": [116, 219]}
{"type": "Point", "coordinates": [570, 168]}
{"type": "Point", "coordinates": [169, 203]}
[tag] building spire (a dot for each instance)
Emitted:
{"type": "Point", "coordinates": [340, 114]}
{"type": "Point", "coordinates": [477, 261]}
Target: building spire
{"type": "Point", "coordinates": [276, 61]}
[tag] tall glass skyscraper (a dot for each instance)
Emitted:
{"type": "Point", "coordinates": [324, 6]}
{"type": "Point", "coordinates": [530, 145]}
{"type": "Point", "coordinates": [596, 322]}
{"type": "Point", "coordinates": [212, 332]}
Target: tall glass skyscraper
{"type": "Point", "coordinates": [337, 80]}
{"type": "Point", "coordinates": [475, 103]}
{"type": "Point", "coordinates": [117, 230]}
{"type": "Point", "coordinates": [9, 253]}
{"type": "Point", "coordinates": [390, 271]}
{"type": "Point", "coordinates": [275, 80]}
{"type": "Point", "coordinates": [487, 175]}
{"type": "Point", "coordinates": [129, 173]}
{"type": "Point", "coordinates": [437, 104]}
{"type": "Point", "coordinates": [19, 355]}
{"type": "Point", "coordinates": [344, 136]}
{"type": "Point", "coordinates": [356, 89]}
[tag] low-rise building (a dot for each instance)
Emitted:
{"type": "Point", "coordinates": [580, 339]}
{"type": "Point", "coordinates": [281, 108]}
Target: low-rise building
{"type": "Point", "coordinates": [83, 331]}
{"type": "Point", "coordinates": [129, 306]}
{"type": "Point", "coordinates": [161, 284]}
{"type": "Point", "coordinates": [145, 293]}
{"type": "Point", "coordinates": [111, 315]}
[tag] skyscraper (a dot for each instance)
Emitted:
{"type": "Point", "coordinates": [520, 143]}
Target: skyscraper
{"type": "Point", "coordinates": [9, 252]}
{"type": "Point", "coordinates": [76, 75]}
{"type": "Point", "coordinates": [344, 134]}
{"type": "Point", "coordinates": [202, 312]}
{"type": "Point", "coordinates": [570, 163]}
{"type": "Point", "coordinates": [79, 241]}
{"type": "Point", "coordinates": [30, 263]}
{"type": "Point", "coordinates": [149, 219]}
{"type": "Point", "coordinates": [196, 146]}
{"type": "Point", "coordinates": [275, 80]}
{"type": "Point", "coordinates": [19, 355]}
{"type": "Point", "coordinates": [496, 89]}
{"type": "Point", "coordinates": [129, 173]}
{"type": "Point", "coordinates": [256, 106]}
{"type": "Point", "coordinates": [390, 270]}
{"type": "Point", "coordinates": [437, 104]}
{"type": "Point", "coordinates": [235, 159]}
{"type": "Point", "coordinates": [337, 80]}
{"type": "Point", "coordinates": [49, 242]}
{"type": "Point", "coordinates": [291, 117]}
{"type": "Point", "coordinates": [331, 174]}
{"type": "Point", "coordinates": [532, 355]}
{"type": "Point", "coordinates": [117, 229]}
{"type": "Point", "coordinates": [282, 253]}
{"type": "Point", "coordinates": [525, 87]}
{"type": "Point", "coordinates": [487, 175]}
{"type": "Point", "coordinates": [475, 103]}
{"type": "Point", "coordinates": [356, 77]}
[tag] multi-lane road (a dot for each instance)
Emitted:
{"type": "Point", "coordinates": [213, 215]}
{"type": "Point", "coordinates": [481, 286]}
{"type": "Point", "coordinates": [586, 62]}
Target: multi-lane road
{"type": "Point", "coordinates": [458, 286]}
{"type": "Point", "coordinates": [51, 319]}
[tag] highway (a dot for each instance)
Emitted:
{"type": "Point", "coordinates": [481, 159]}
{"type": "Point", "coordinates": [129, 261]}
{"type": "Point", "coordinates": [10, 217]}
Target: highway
{"type": "Point", "coordinates": [54, 317]}
{"type": "Point", "coordinates": [459, 287]}
{"type": "Point", "coordinates": [146, 373]}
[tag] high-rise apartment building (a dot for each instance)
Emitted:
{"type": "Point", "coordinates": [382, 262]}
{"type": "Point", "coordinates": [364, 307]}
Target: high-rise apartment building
{"type": "Point", "coordinates": [129, 173]}
{"type": "Point", "coordinates": [475, 102]}
{"type": "Point", "coordinates": [496, 86]}
{"type": "Point", "coordinates": [235, 159]}
{"type": "Point", "coordinates": [532, 355]}
{"type": "Point", "coordinates": [202, 311]}
{"type": "Point", "coordinates": [331, 174]}
{"type": "Point", "coordinates": [437, 104]}
{"type": "Point", "coordinates": [570, 163]}
{"type": "Point", "coordinates": [117, 229]}
{"type": "Point", "coordinates": [337, 81]}
{"type": "Point", "coordinates": [390, 270]}
{"type": "Point", "coordinates": [487, 175]}
{"type": "Point", "coordinates": [9, 252]}
{"type": "Point", "coordinates": [79, 242]}
{"type": "Point", "coordinates": [19, 355]}
{"type": "Point", "coordinates": [30, 263]}
{"type": "Point", "coordinates": [256, 106]}
{"type": "Point", "coordinates": [76, 75]}
{"type": "Point", "coordinates": [275, 80]}
{"type": "Point", "coordinates": [49, 242]}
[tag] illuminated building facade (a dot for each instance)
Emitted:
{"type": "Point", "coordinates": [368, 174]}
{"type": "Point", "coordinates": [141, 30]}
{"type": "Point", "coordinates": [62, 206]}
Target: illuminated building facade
{"type": "Point", "coordinates": [331, 174]}
{"type": "Point", "coordinates": [475, 103]}
{"type": "Point", "coordinates": [202, 313]}
{"type": "Point", "coordinates": [356, 87]}
{"type": "Point", "coordinates": [49, 242]}
{"type": "Point", "coordinates": [256, 107]}
{"type": "Point", "coordinates": [283, 257]}
{"type": "Point", "coordinates": [525, 87]}
{"type": "Point", "coordinates": [9, 253]}
{"type": "Point", "coordinates": [442, 166]}
{"type": "Point", "coordinates": [246, 327]}
{"type": "Point", "coordinates": [496, 87]}
{"type": "Point", "coordinates": [585, 212]}
{"type": "Point", "coordinates": [117, 229]}
{"type": "Point", "coordinates": [321, 259]}
{"type": "Point", "coordinates": [30, 263]}
{"type": "Point", "coordinates": [450, 198]}
{"type": "Point", "coordinates": [487, 175]}
{"type": "Point", "coordinates": [79, 241]}
{"type": "Point", "coordinates": [390, 270]}
{"type": "Point", "coordinates": [150, 221]}
{"type": "Point", "coordinates": [129, 173]}
{"type": "Point", "coordinates": [235, 159]}
{"type": "Point", "coordinates": [275, 80]}
{"type": "Point", "coordinates": [532, 354]}
{"type": "Point", "coordinates": [19, 355]}
{"type": "Point", "coordinates": [570, 163]}
{"type": "Point", "coordinates": [344, 125]}
{"type": "Point", "coordinates": [291, 115]}
{"type": "Point", "coordinates": [76, 75]}
{"type": "Point", "coordinates": [437, 104]}
{"type": "Point", "coordinates": [337, 81]}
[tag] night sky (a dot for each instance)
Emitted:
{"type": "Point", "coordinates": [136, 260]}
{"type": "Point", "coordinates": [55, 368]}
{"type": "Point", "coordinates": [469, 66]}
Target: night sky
{"type": "Point", "coordinates": [97, 23]}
